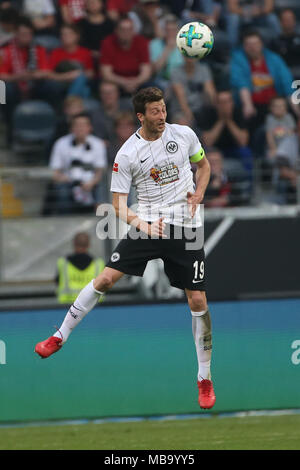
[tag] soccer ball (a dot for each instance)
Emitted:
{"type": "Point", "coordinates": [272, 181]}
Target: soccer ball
{"type": "Point", "coordinates": [195, 40]}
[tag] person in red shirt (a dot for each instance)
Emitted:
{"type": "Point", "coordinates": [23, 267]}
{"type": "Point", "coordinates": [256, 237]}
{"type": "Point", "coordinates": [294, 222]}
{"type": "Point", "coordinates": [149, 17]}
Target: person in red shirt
{"type": "Point", "coordinates": [24, 68]}
{"type": "Point", "coordinates": [72, 11]}
{"type": "Point", "coordinates": [117, 8]}
{"type": "Point", "coordinates": [124, 57]}
{"type": "Point", "coordinates": [71, 65]}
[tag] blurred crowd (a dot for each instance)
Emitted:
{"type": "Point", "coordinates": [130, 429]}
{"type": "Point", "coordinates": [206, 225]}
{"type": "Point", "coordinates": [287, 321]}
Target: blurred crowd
{"type": "Point", "coordinates": [85, 59]}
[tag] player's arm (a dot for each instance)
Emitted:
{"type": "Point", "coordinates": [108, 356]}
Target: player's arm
{"type": "Point", "coordinates": [202, 180]}
{"type": "Point", "coordinates": [202, 177]}
{"type": "Point", "coordinates": [119, 201]}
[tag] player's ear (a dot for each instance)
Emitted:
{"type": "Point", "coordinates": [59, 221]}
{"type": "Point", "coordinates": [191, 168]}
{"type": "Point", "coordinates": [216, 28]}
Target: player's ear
{"type": "Point", "coordinates": [140, 117]}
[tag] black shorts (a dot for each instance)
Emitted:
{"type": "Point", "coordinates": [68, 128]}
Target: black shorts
{"type": "Point", "coordinates": [184, 267]}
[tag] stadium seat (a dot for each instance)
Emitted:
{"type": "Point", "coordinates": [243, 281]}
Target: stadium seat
{"type": "Point", "coordinates": [48, 42]}
{"type": "Point", "coordinates": [90, 104]}
{"type": "Point", "coordinates": [33, 126]}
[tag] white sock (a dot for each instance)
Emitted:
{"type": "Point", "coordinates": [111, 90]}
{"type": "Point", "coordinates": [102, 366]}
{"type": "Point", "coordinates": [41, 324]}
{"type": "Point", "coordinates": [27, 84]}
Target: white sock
{"type": "Point", "coordinates": [201, 325]}
{"type": "Point", "coordinates": [86, 300]}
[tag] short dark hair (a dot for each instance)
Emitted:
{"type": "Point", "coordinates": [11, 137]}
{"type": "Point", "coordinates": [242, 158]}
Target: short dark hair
{"type": "Point", "coordinates": [81, 239]}
{"type": "Point", "coordinates": [25, 21]}
{"type": "Point", "coordinates": [84, 114]}
{"type": "Point", "coordinates": [73, 27]}
{"type": "Point", "coordinates": [250, 33]}
{"type": "Point", "coordinates": [144, 96]}
{"type": "Point", "coordinates": [286, 10]}
{"type": "Point", "coordinates": [9, 16]}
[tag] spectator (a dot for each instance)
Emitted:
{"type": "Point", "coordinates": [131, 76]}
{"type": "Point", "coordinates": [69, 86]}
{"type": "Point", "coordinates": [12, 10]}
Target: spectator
{"type": "Point", "coordinates": [78, 160]}
{"type": "Point", "coordinates": [250, 13]}
{"type": "Point", "coordinates": [111, 104]}
{"type": "Point", "coordinates": [287, 171]}
{"type": "Point", "coordinates": [118, 8]}
{"type": "Point", "coordinates": [288, 43]}
{"type": "Point", "coordinates": [164, 54]}
{"type": "Point", "coordinates": [72, 11]}
{"type": "Point", "coordinates": [193, 88]}
{"type": "Point", "coordinates": [71, 65]}
{"type": "Point", "coordinates": [257, 76]}
{"type": "Point", "coordinates": [75, 270]}
{"type": "Point", "coordinates": [95, 26]}
{"type": "Point", "coordinates": [42, 15]}
{"type": "Point", "coordinates": [125, 125]}
{"type": "Point", "coordinates": [24, 68]}
{"type": "Point", "coordinates": [146, 16]}
{"type": "Point", "coordinates": [224, 127]}
{"type": "Point", "coordinates": [206, 11]}
{"type": "Point", "coordinates": [125, 58]}
{"type": "Point", "coordinates": [281, 131]}
{"type": "Point", "coordinates": [9, 18]}
{"type": "Point", "coordinates": [72, 105]}
{"type": "Point", "coordinates": [219, 188]}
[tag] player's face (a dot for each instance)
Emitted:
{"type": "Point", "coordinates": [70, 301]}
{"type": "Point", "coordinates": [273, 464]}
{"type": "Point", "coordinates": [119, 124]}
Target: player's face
{"type": "Point", "coordinates": [154, 119]}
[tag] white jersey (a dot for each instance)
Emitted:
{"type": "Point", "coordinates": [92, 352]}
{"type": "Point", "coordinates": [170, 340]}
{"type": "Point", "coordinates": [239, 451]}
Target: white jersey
{"type": "Point", "coordinates": [161, 172]}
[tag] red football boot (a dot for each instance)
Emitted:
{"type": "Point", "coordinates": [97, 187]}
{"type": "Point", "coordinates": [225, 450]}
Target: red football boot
{"type": "Point", "coordinates": [207, 397]}
{"type": "Point", "coordinates": [48, 347]}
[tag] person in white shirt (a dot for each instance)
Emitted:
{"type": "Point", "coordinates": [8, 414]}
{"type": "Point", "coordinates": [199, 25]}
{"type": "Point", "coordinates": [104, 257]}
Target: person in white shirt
{"type": "Point", "coordinates": [78, 161]}
{"type": "Point", "coordinates": [156, 160]}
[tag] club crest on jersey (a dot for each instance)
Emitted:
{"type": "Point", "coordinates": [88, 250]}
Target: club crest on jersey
{"type": "Point", "coordinates": [165, 174]}
{"type": "Point", "coordinates": [115, 257]}
{"type": "Point", "coordinates": [172, 146]}
{"type": "Point", "coordinates": [116, 167]}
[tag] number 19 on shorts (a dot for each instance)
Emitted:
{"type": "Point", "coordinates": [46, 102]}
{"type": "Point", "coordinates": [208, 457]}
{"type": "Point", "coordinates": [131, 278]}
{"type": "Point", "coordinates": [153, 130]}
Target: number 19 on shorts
{"type": "Point", "coordinates": [198, 272]}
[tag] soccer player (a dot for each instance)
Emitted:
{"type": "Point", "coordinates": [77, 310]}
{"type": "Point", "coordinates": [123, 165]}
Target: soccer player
{"type": "Point", "coordinates": [156, 159]}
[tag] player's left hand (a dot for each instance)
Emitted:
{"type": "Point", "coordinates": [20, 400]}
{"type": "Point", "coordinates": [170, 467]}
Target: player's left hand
{"type": "Point", "coordinates": [193, 200]}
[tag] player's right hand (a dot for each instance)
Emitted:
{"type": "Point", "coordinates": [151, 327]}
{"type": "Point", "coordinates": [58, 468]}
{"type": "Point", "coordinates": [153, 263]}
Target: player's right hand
{"type": "Point", "coordinates": [157, 228]}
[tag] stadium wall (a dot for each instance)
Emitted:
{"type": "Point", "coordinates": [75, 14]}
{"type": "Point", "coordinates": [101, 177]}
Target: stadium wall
{"type": "Point", "coordinates": [139, 360]}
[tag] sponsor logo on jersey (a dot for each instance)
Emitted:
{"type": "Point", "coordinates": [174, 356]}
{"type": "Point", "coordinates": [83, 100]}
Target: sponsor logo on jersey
{"type": "Point", "coordinates": [165, 174]}
{"type": "Point", "coordinates": [172, 146]}
{"type": "Point", "coordinates": [116, 167]}
{"type": "Point", "coordinates": [115, 257]}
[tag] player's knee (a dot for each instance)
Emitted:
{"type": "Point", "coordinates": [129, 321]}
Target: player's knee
{"type": "Point", "coordinates": [104, 282]}
{"type": "Point", "coordinates": [197, 301]}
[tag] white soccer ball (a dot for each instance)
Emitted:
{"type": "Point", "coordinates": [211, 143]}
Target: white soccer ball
{"type": "Point", "coordinates": [195, 40]}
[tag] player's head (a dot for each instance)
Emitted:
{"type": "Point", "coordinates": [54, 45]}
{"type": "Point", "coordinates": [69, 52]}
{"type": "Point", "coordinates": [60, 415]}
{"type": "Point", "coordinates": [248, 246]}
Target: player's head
{"type": "Point", "coordinates": [81, 242]}
{"type": "Point", "coordinates": [150, 109]}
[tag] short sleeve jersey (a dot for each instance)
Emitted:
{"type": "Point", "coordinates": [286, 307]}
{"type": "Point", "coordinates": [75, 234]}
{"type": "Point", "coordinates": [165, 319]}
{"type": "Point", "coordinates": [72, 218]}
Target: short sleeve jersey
{"type": "Point", "coordinates": [161, 172]}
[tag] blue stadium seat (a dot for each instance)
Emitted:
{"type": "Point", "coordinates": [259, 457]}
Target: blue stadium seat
{"type": "Point", "coordinates": [48, 42]}
{"type": "Point", "coordinates": [90, 104]}
{"type": "Point", "coordinates": [33, 126]}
